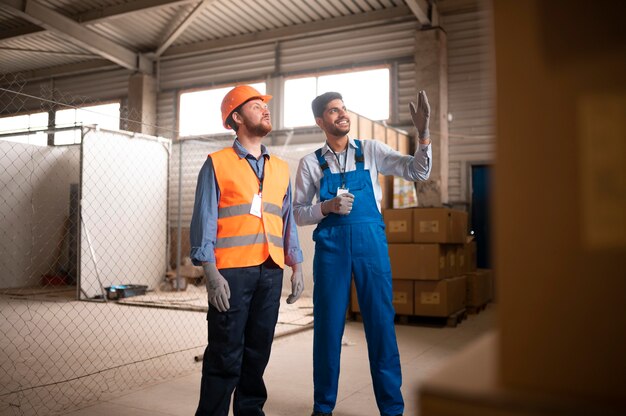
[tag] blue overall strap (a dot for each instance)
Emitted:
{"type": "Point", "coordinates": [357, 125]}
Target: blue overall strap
{"type": "Point", "coordinates": [358, 156]}
{"type": "Point", "coordinates": [323, 163]}
{"type": "Point", "coordinates": [359, 159]}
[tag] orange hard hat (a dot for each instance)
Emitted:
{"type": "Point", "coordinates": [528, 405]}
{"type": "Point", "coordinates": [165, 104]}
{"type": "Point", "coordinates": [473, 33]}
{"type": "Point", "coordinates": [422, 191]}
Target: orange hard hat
{"type": "Point", "coordinates": [238, 96]}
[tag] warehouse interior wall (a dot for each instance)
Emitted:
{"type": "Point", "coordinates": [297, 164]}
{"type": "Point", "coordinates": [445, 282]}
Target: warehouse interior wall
{"type": "Point", "coordinates": [158, 198]}
{"type": "Point", "coordinates": [468, 118]}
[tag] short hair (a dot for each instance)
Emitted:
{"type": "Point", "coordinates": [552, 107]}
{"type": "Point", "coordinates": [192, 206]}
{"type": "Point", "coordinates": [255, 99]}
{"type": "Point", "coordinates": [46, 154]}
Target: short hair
{"type": "Point", "coordinates": [319, 103]}
{"type": "Point", "coordinates": [229, 119]}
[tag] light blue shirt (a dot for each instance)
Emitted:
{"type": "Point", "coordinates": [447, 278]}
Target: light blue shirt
{"type": "Point", "coordinates": [379, 158]}
{"type": "Point", "coordinates": [203, 230]}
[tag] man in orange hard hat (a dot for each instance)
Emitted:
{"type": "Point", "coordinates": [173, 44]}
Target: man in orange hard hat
{"type": "Point", "coordinates": [243, 234]}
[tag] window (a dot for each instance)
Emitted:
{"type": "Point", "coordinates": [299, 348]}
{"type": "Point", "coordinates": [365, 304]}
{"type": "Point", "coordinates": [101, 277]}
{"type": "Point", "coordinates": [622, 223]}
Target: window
{"type": "Point", "coordinates": [106, 116]}
{"type": "Point", "coordinates": [23, 122]}
{"type": "Point", "coordinates": [200, 111]}
{"type": "Point", "coordinates": [364, 92]}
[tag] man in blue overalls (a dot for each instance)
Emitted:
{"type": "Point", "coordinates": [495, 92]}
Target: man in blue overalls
{"type": "Point", "coordinates": [350, 241]}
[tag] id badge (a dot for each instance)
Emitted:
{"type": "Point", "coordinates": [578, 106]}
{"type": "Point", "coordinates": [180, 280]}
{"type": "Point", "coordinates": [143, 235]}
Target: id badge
{"type": "Point", "coordinates": [341, 191]}
{"type": "Point", "coordinates": [255, 207]}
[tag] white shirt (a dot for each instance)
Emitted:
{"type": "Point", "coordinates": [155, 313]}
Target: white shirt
{"type": "Point", "coordinates": [379, 158]}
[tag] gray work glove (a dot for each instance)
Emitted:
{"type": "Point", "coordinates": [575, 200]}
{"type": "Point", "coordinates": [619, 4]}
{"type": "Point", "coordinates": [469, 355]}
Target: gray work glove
{"type": "Point", "coordinates": [420, 115]}
{"type": "Point", "coordinates": [297, 283]}
{"type": "Point", "coordinates": [341, 204]}
{"type": "Point", "coordinates": [217, 287]}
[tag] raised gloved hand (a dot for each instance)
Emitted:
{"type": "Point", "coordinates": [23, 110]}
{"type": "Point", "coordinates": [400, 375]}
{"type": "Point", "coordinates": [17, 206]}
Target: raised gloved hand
{"type": "Point", "coordinates": [297, 283]}
{"type": "Point", "coordinates": [217, 287]}
{"type": "Point", "coordinates": [341, 204]}
{"type": "Point", "coordinates": [420, 115]}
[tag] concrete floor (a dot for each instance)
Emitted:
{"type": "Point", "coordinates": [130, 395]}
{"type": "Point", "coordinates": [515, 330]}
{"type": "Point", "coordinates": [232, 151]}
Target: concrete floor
{"type": "Point", "coordinates": [289, 373]}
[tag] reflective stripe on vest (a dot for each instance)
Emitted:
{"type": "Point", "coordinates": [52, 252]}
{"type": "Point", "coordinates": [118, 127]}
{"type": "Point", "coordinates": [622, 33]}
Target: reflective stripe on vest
{"type": "Point", "coordinates": [244, 239]}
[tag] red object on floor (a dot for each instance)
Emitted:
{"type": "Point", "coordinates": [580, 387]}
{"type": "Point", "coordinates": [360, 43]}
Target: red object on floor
{"type": "Point", "coordinates": [53, 280]}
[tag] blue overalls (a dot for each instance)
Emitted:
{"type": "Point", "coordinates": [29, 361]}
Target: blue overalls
{"type": "Point", "coordinates": [346, 245]}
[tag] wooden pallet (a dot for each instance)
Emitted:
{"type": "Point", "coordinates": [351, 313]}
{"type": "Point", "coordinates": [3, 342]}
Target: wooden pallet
{"type": "Point", "coordinates": [473, 310]}
{"type": "Point", "coordinates": [433, 321]}
{"type": "Point", "coordinates": [456, 318]}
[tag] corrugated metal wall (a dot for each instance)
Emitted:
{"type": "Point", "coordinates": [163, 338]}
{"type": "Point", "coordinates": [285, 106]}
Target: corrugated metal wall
{"type": "Point", "coordinates": [350, 48]}
{"type": "Point", "coordinates": [90, 88]}
{"type": "Point", "coordinates": [470, 98]}
{"type": "Point", "coordinates": [219, 67]}
{"type": "Point", "coordinates": [469, 77]}
{"type": "Point", "coordinates": [354, 48]}
{"type": "Point", "coordinates": [406, 91]}
{"type": "Point", "coordinates": [166, 108]}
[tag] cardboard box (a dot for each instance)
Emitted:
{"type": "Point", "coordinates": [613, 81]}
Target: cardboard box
{"type": "Point", "coordinates": [439, 298]}
{"type": "Point", "coordinates": [466, 257]}
{"type": "Point", "coordinates": [491, 283]}
{"type": "Point", "coordinates": [470, 255]}
{"type": "Point", "coordinates": [461, 259]}
{"type": "Point", "coordinates": [454, 268]}
{"type": "Point", "coordinates": [459, 229]}
{"type": "Point", "coordinates": [439, 225]}
{"type": "Point", "coordinates": [402, 297]}
{"type": "Point", "coordinates": [478, 288]}
{"type": "Point", "coordinates": [418, 261]}
{"type": "Point", "coordinates": [398, 225]}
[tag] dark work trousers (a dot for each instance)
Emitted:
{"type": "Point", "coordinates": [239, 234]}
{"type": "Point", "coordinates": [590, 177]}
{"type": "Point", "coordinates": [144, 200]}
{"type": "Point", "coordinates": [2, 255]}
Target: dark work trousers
{"type": "Point", "coordinates": [240, 341]}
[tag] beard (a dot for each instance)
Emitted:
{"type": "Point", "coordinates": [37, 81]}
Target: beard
{"type": "Point", "coordinates": [336, 130]}
{"type": "Point", "coordinates": [260, 129]}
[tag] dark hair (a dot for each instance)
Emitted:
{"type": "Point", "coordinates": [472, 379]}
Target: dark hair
{"type": "Point", "coordinates": [319, 103]}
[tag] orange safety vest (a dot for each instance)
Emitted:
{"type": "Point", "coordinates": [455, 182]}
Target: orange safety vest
{"type": "Point", "coordinates": [244, 239]}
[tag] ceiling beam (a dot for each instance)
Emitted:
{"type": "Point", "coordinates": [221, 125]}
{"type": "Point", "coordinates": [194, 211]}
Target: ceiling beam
{"type": "Point", "coordinates": [63, 70]}
{"type": "Point", "coordinates": [420, 10]}
{"type": "Point", "coordinates": [75, 33]}
{"type": "Point", "coordinates": [291, 32]}
{"type": "Point", "coordinates": [328, 26]}
{"type": "Point", "coordinates": [182, 27]}
{"type": "Point", "coordinates": [91, 16]}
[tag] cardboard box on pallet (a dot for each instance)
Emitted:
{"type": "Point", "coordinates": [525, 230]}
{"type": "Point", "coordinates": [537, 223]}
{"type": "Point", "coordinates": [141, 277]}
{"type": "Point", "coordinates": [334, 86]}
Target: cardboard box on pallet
{"type": "Point", "coordinates": [491, 283]}
{"type": "Point", "coordinates": [470, 256]}
{"type": "Point", "coordinates": [455, 263]}
{"type": "Point", "coordinates": [418, 261]}
{"type": "Point", "coordinates": [461, 258]}
{"type": "Point", "coordinates": [439, 298]}
{"type": "Point", "coordinates": [465, 257]}
{"type": "Point", "coordinates": [398, 225]}
{"type": "Point", "coordinates": [439, 225]}
{"type": "Point", "coordinates": [478, 288]}
{"type": "Point", "coordinates": [402, 297]}
{"type": "Point", "coordinates": [459, 226]}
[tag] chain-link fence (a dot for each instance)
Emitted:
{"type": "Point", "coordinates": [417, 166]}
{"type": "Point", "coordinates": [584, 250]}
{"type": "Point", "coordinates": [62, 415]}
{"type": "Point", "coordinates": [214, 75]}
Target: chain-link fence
{"type": "Point", "coordinates": [97, 295]}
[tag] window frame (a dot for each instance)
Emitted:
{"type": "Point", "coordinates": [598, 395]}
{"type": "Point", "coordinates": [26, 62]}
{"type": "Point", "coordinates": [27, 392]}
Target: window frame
{"type": "Point", "coordinates": [75, 125]}
{"type": "Point", "coordinates": [338, 71]}
{"type": "Point", "coordinates": [180, 92]}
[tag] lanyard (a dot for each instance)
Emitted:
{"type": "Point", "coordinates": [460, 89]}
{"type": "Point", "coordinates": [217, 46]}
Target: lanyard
{"type": "Point", "coordinates": [260, 178]}
{"type": "Point", "coordinates": [342, 169]}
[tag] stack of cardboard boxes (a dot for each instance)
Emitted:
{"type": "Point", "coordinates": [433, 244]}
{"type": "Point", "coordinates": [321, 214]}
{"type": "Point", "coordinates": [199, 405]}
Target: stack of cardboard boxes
{"type": "Point", "coordinates": [433, 265]}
